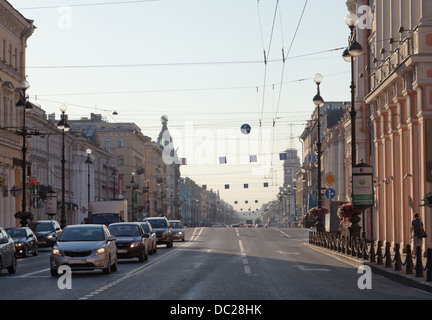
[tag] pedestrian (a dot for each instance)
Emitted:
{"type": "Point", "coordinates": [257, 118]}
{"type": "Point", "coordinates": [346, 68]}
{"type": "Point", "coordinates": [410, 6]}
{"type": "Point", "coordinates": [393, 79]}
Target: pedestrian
{"type": "Point", "coordinates": [417, 233]}
{"type": "Point", "coordinates": [343, 227]}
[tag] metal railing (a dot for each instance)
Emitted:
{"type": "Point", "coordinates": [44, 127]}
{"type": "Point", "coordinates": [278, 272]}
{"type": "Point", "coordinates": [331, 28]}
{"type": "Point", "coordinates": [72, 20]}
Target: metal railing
{"type": "Point", "coordinates": [392, 62]}
{"type": "Point", "coordinates": [368, 250]}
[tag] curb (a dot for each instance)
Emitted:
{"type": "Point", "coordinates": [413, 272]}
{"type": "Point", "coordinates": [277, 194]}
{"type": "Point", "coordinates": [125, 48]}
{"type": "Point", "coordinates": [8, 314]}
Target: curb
{"type": "Point", "coordinates": [397, 276]}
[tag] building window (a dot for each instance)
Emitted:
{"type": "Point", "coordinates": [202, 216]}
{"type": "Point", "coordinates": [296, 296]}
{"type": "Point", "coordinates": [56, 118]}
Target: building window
{"type": "Point", "coordinates": [120, 143]}
{"type": "Point", "coordinates": [120, 160]}
{"type": "Point", "coordinates": [107, 143]}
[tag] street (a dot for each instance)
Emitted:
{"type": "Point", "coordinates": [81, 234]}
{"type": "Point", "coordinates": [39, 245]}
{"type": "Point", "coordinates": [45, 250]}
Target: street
{"type": "Point", "coordinates": [212, 264]}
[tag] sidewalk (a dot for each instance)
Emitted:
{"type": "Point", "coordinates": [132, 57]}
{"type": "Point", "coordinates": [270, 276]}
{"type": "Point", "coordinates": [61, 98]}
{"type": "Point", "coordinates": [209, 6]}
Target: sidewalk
{"type": "Point", "coordinates": [390, 273]}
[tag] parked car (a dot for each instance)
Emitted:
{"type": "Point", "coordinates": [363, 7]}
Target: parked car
{"type": "Point", "coordinates": [25, 241]}
{"type": "Point", "coordinates": [7, 252]}
{"type": "Point", "coordinates": [163, 230]}
{"type": "Point", "coordinates": [151, 235]}
{"type": "Point", "coordinates": [47, 232]}
{"type": "Point", "coordinates": [130, 240]}
{"type": "Point", "coordinates": [178, 230]}
{"type": "Point", "coordinates": [85, 247]}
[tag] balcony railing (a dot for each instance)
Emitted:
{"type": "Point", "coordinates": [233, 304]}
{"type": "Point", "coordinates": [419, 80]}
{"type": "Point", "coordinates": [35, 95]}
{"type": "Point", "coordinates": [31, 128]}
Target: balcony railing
{"type": "Point", "coordinates": [392, 62]}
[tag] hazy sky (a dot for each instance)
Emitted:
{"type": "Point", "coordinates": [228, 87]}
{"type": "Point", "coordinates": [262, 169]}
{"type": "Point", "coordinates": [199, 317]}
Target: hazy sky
{"type": "Point", "coordinates": [201, 63]}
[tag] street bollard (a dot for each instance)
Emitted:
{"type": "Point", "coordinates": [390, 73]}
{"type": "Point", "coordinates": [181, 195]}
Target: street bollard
{"type": "Point", "coordinates": [419, 263]}
{"type": "Point", "coordinates": [380, 260]}
{"type": "Point", "coordinates": [372, 251]}
{"type": "Point", "coordinates": [397, 258]}
{"type": "Point", "coordinates": [344, 243]}
{"type": "Point", "coordinates": [387, 256]}
{"type": "Point", "coordinates": [429, 265]}
{"type": "Point", "coordinates": [353, 247]}
{"type": "Point", "coordinates": [409, 261]}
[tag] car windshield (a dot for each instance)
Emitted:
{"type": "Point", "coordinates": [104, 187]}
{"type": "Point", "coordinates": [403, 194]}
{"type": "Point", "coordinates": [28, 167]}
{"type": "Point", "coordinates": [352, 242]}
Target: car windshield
{"type": "Point", "coordinates": [124, 230]}
{"type": "Point", "coordinates": [176, 224]}
{"type": "Point", "coordinates": [82, 234]}
{"type": "Point", "coordinates": [145, 227]}
{"type": "Point", "coordinates": [158, 223]}
{"type": "Point", "coordinates": [42, 226]}
{"type": "Point", "coordinates": [17, 233]}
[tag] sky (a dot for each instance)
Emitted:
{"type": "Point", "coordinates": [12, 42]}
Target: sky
{"type": "Point", "coordinates": [202, 64]}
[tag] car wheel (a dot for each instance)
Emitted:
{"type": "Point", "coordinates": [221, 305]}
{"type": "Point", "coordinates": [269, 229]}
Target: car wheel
{"type": "Point", "coordinates": [12, 268]}
{"type": "Point", "coordinates": [114, 267]}
{"type": "Point", "coordinates": [54, 272]}
{"type": "Point", "coordinates": [36, 251]}
{"type": "Point", "coordinates": [146, 255]}
{"type": "Point", "coordinates": [141, 257]}
{"type": "Point", "coordinates": [107, 270]}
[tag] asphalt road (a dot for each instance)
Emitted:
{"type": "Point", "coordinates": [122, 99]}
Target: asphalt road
{"type": "Point", "coordinates": [212, 264]}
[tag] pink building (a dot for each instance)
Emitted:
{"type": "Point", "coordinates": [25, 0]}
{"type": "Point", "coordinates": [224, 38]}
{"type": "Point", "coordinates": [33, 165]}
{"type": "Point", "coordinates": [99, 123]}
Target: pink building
{"type": "Point", "coordinates": [396, 71]}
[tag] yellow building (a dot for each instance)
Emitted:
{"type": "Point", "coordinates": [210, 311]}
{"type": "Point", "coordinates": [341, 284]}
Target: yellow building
{"type": "Point", "coordinates": [15, 29]}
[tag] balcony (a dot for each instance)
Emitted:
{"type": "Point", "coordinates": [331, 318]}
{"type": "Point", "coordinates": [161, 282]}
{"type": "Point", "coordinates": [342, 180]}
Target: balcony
{"type": "Point", "coordinates": [393, 61]}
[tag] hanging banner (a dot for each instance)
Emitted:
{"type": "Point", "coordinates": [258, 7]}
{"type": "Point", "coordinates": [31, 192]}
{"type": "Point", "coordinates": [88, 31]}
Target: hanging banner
{"type": "Point", "coordinates": [120, 185]}
{"type": "Point", "coordinates": [51, 203]}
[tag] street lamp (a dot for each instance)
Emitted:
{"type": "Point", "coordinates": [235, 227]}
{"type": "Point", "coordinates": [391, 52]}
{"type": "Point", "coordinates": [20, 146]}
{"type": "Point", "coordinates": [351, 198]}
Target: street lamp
{"type": "Point", "coordinates": [318, 100]}
{"type": "Point", "coordinates": [88, 162]}
{"type": "Point", "coordinates": [24, 105]}
{"type": "Point", "coordinates": [353, 50]}
{"type": "Point", "coordinates": [64, 126]}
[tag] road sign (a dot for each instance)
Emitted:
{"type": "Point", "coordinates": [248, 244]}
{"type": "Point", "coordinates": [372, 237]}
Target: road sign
{"type": "Point", "coordinates": [330, 193]}
{"type": "Point", "coordinates": [330, 178]}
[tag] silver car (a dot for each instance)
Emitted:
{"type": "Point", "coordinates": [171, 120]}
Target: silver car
{"type": "Point", "coordinates": [84, 247]}
{"type": "Point", "coordinates": [178, 230]}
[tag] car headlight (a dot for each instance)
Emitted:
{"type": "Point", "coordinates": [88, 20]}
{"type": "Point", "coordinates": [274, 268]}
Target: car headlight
{"type": "Point", "coordinates": [135, 244]}
{"type": "Point", "coordinates": [19, 244]}
{"type": "Point", "coordinates": [99, 251]}
{"type": "Point", "coordinates": [165, 233]}
{"type": "Point", "coordinates": [180, 233]}
{"type": "Point", "coordinates": [57, 252]}
{"type": "Point", "coordinates": [49, 237]}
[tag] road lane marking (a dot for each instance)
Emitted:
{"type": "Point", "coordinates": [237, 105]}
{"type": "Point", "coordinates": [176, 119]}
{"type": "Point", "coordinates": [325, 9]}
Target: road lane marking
{"type": "Point", "coordinates": [303, 268]}
{"type": "Point", "coordinates": [141, 269]}
{"type": "Point", "coordinates": [244, 259]}
{"type": "Point", "coordinates": [286, 235]}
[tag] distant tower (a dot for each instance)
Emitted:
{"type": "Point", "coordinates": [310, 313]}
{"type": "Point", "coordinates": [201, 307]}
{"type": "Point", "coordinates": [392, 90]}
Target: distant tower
{"type": "Point", "coordinates": [291, 165]}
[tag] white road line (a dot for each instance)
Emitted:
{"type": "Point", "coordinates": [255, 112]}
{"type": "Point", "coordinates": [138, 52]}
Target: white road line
{"type": "Point", "coordinates": [141, 268]}
{"type": "Point", "coordinates": [244, 259]}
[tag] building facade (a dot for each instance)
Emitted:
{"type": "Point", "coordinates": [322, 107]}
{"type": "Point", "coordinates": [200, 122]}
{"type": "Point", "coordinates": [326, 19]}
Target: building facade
{"type": "Point", "coordinates": [398, 80]}
{"type": "Point", "coordinates": [15, 30]}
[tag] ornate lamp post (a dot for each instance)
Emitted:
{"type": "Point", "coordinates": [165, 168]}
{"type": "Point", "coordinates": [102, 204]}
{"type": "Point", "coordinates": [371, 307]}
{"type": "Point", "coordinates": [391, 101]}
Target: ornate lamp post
{"type": "Point", "coordinates": [25, 106]}
{"type": "Point", "coordinates": [88, 162]}
{"type": "Point", "coordinates": [353, 50]}
{"type": "Point", "coordinates": [318, 101]}
{"type": "Point", "coordinates": [64, 126]}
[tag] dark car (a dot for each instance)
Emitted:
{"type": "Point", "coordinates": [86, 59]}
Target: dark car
{"type": "Point", "coordinates": [178, 230]}
{"type": "Point", "coordinates": [163, 230]}
{"type": "Point", "coordinates": [151, 235]}
{"type": "Point", "coordinates": [47, 232]}
{"type": "Point", "coordinates": [7, 252]}
{"type": "Point", "coordinates": [25, 241]}
{"type": "Point", "coordinates": [130, 240]}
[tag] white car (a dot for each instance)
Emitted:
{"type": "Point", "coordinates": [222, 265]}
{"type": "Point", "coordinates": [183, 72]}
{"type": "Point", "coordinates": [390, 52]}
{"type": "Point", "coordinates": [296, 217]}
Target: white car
{"type": "Point", "coordinates": [84, 247]}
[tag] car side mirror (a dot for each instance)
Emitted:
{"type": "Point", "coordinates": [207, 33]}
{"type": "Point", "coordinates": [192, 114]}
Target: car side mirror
{"type": "Point", "coordinates": [112, 238]}
{"type": "Point", "coordinates": [146, 235]}
{"type": "Point", "coordinates": [3, 240]}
